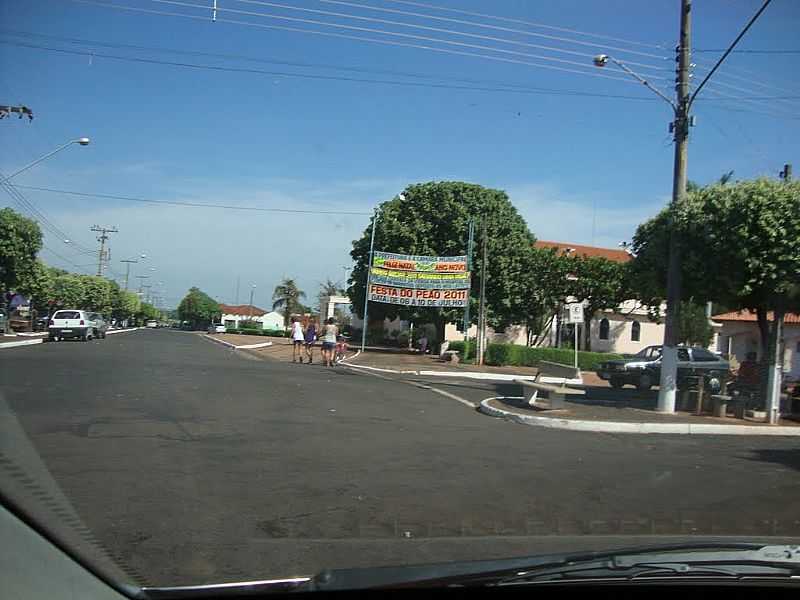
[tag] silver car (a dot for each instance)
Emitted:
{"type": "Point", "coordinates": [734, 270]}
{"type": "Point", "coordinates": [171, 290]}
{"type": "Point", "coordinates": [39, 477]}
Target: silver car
{"type": "Point", "coordinates": [99, 325]}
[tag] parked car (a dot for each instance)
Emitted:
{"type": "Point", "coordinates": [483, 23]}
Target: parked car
{"type": "Point", "coordinates": [151, 324]}
{"type": "Point", "coordinates": [216, 328]}
{"type": "Point", "coordinates": [66, 324]}
{"type": "Point", "coordinates": [99, 325]}
{"type": "Point", "coordinates": [643, 369]}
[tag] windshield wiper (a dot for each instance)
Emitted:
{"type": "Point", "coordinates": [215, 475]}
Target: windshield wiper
{"type": "Point", "coordinates": [718, 560]}
{"type": "Point", "coordinates": [766, 561]}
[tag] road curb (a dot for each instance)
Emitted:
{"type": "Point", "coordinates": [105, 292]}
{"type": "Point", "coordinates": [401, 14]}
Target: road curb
{"type": "Point", "coordinates": [461, 375]}
{"type": "Point", "coordinates": [21, 343]}
{"type": "Point", "coordinates": [624, 427]}
{"type": "Point", "coordinates": [235, 347]}
{"type": "Point", "coordinates": [112, 331]}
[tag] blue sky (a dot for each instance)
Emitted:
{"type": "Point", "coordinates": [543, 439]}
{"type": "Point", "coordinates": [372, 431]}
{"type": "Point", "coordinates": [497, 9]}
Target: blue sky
{"type": "Point", "coordinates": [581, 169]}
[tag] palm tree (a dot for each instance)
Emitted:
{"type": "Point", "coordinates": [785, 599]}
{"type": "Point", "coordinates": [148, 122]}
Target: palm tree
{"type": "Point", "coordinates": [287, 296]}
{"type": "Point", "coordinates": [329, 288]}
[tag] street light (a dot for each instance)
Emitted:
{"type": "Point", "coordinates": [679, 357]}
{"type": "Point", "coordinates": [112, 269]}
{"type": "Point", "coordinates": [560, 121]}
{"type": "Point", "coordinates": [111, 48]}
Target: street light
{"type": "Point", "coordinates": [84, 141]}
{"type": "Point", "coordinates": [680, 127]}
{"type": "Point", "coordinates": [252, 291]}
{"type": "Point", "coordinates": [128, 262]}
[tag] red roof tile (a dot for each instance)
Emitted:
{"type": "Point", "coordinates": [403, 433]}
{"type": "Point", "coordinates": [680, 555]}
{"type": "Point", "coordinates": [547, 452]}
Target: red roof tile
{"type": "Point", "coordinates": [244, 310]}
{"type": "Point", "coordinates": [591, 251]}
{"type": "Point", "coordinates": [748, 316]}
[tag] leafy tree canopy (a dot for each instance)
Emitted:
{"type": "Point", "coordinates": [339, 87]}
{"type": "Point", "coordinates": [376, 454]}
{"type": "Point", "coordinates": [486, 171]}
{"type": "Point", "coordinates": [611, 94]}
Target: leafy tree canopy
{"type": "Point", "coordinates": [197, 307]}
{"type": "Point", "coordinates": [20, 241]}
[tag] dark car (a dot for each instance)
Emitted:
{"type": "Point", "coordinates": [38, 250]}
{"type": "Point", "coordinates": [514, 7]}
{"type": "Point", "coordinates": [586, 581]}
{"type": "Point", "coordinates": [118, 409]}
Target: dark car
{"type": "Point", "coordinates": [643, 369]}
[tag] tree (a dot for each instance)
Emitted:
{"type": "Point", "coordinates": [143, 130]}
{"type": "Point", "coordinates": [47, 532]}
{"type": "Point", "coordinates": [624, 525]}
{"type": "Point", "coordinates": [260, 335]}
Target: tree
{"type": "Point", "coordinates": [329, 288]}
{"type": "Point", "coordinates": [740, 246]}
{"type": "Point", "coordinates": [695, 328]}
{"type": "Point", "coordinates": [20, 242]}
{"type": "Point", "coordinates": [287, 296]}
{"type": "Point", "coordinates": [600, 284]}
{"type": "Point", "coordinates": [37, 284]}
{"type": "Point", "coordinates": [544, 279]}
{"type": "Point", "coordinates": [431, 219]}
{"type": "Point", "coordinates": [197, 307]}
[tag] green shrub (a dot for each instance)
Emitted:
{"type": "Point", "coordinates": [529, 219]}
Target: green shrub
{"type": "Point", "coordinates": [459, 346]}
{"type": "Point", "coordinates": [523, 356]}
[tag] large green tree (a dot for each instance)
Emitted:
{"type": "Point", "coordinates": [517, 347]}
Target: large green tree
{"type": "Point", "coordinates": [20, 241]}
{"type": "Point", "coordinates": [432, 219]}
{"type": "Point", "coordinates": [197, 307]}
{"type": "Point", "coordinates": [286, 297]}
{"type": "Point", "coordinates": [544, 279]}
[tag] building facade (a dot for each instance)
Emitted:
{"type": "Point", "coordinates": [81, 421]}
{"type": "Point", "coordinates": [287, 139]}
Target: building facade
{"type": "Point", "coordinates": [233, 315]}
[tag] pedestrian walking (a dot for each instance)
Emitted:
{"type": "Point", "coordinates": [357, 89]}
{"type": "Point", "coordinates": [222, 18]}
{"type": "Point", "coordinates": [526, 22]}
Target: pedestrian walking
{"type": "Point", "coordinates": [329, 334]}
{"type": "Point", "coordinates": [311, 337]}
{"type": "Point", "coordinates": [297, 340]}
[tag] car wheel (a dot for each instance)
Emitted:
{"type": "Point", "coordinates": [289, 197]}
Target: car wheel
{"type": "Point", "coordinates": [645, 382]}
{"type": "Point", "coordinates": [616, 382]}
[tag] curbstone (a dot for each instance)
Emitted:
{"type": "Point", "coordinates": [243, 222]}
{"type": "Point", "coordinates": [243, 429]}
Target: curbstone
{"type": "Point", "coordinates": [113, 331]}
{"type": "Point", "coordinates": [625, 427]}
{"type": "Point", "coordinates": [235, 347]}
{"type": "Point", "coordinates": [21, 343]}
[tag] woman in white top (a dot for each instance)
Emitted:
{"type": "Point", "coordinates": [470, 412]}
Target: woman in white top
{"type": "Point", "coordinates": [329, 333]}
{"type": "Point", "coordinates": [298, 338]}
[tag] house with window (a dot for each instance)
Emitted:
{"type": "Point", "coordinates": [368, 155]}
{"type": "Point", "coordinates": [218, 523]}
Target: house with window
{"type": "Point", "coordinates": [625, 330]}
{"type": "Point", "coordinates": [233, 315]}
{"type": "Point", "coordinates": [739, 335]}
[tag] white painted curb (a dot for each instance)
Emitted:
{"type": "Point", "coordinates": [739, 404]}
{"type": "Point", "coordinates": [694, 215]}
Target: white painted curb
{"type": "Point", "coordinates": [21, 343]}
{"type": "Point", "coordinates": [623, 427]}
{"type": "Point", "coordinates": [235, 347]}
{"type": "Point", "coordinates": [33, 335]}
{"type": "Point", "coordinates": [461, 375]}
{"type": "Point", "coordinates": [112, 331]}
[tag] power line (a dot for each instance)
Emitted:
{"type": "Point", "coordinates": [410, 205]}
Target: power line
{"type": "Point", "coordinates": [717, 50]}
{"type": "Point", "coordinates": [197, 204]}
{"type": "Point", "coordinates": [358, 38]}
{"type": "Point", "coordinates": [441, 30]}
{"type": "Point", "coordinates": [30, 208]}
{"type": "Point", "coordinates": [529, 23]}
{"type": "Point", "coordinates": [94, 43]}
{"type": "Point", "coordinates": [584, 65]}
{"type": "Point", "coordinates": [511, 88]}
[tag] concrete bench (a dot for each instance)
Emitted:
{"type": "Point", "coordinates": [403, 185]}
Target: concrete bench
{"type": "Point", "coordinates": [556, 395]}
{"type": "Point", "coordinates": [720, 405]}
{"type": "Point", "coordinates": [550, 372]}
{"type": "Point", "coordinates": [449, 355]}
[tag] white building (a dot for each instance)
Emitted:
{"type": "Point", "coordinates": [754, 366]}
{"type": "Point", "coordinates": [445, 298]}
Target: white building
{"type": "Point", "coordinates": [232, 316]}
{"type": "Point", "coordinates": [739, 335]}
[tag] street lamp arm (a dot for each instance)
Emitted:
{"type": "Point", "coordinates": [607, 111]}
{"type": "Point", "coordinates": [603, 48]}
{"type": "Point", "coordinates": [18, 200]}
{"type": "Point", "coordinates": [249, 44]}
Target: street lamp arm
{"type": "Point", "coordinates": [81, 141]}
{"type": "Point", "coordinates": [643, 81]}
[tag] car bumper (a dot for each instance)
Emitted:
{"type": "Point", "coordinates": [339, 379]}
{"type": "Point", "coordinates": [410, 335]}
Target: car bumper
{"type": "Point", "coordinates": [67, 332]}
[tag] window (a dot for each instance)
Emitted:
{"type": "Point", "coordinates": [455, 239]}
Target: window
{"type": "Point", "coordinates": [683, 355]}
{"type": "Point", "coordinates": [604, 329]}
{"type": "Point", "coordinates": [703, 355]}
{"type": "Point", "coordinates": [636, 331]}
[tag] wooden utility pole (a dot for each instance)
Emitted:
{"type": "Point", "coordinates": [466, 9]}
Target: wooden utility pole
{"type": "Point", "coordinates": [103, 231]}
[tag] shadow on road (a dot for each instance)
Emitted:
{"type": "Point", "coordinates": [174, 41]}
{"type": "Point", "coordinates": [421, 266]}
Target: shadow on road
{"type": "Point", "coordinates": [788, 457]}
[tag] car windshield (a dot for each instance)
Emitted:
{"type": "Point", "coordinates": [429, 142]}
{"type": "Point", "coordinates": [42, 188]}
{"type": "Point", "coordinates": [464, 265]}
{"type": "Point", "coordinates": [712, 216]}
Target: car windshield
{"type": "Point", "coordinates": [297, 286]}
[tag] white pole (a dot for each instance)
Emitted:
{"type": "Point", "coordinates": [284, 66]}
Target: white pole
{"type": "Point", "coordinates": [366, 288]}
{"type": "Point", "coordinates": [575, 327]}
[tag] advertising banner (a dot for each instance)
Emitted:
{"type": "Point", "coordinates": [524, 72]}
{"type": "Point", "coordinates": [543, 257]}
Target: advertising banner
{"type": "Point", "coordinates": [408, 280]}
{"type": "Point", "coordinates": [418, 297]}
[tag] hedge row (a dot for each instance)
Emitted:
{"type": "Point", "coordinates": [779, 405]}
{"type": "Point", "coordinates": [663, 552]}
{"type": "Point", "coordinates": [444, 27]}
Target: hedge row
{"type": "Point", "coordinates": [263, 332]}
{"type": "Point", "coordinates": [523, 356]}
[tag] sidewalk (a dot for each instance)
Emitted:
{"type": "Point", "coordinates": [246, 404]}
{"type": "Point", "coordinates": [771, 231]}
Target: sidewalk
{"type": "Point", "coordinates": [578, 417]}
{"type": "Point", "coordinates": [402, 360]}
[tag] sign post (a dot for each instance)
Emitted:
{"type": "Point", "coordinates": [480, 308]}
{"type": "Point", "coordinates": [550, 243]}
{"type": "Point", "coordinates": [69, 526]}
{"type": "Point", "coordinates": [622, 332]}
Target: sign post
{"type": "Point", "coordinates": [575, 316]}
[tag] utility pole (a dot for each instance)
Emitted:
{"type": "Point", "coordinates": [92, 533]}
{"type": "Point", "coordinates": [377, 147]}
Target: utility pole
{"type": "Point", "coordinates": [128, 262]}
{"type": "Point", "coordinates": [482, 305]}
{"type": "Point", "coordinates": [238, 281]}
{"type": "Point", "coordinates": [103, 231]}
{"type": "Point", "coordinates": [680, 127]}
{"type": "Point", "coordinates": [470, 236]}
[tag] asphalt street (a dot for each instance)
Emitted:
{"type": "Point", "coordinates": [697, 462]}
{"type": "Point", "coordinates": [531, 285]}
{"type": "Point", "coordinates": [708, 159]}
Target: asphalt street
{"type": "Point", "coordinates": [194, 463]}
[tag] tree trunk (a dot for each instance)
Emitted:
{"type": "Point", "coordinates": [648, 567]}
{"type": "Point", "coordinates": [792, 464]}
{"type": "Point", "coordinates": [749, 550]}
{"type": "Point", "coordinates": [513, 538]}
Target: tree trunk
{"type": "Point", "coordinates": [763, 363]}
{"type": "Point", "coordinates": [587, 330]}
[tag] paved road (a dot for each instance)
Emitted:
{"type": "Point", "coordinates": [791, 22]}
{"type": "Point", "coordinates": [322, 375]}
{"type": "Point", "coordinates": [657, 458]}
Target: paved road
{"type": "Point", "coordinates": [196, 463]}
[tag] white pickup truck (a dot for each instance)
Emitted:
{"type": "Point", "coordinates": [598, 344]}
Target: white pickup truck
{"type": "Point", "coordinates": [70, 324]}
